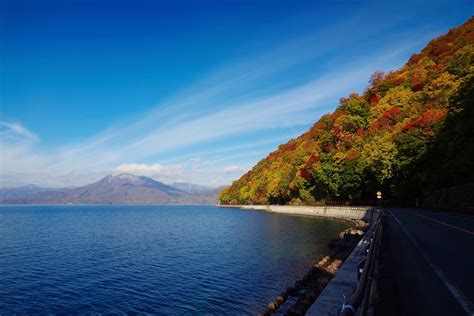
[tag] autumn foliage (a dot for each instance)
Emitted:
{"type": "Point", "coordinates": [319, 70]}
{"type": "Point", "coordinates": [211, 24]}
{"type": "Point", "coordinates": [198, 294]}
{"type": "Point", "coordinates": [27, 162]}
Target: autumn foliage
{"type": "Point", "coordinates": [397, 136]}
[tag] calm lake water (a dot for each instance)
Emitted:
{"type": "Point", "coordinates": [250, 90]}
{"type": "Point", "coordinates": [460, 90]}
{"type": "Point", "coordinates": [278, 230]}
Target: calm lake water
{"type": "Point", "coordinates": [169, 260]}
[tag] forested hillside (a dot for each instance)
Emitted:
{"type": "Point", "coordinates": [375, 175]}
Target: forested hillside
{"type": "Point", "coordinates": [408, 134]}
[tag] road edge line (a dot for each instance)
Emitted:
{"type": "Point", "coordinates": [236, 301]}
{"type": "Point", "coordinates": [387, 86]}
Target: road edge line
{"type": "Point", "coordinates": [455, 291]}
{"type": "Point", "coordinates": [441, 222]}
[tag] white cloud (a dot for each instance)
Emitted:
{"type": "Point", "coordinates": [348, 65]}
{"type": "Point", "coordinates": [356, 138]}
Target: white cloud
{"type": "Point", "coordinates": [233, 169]}
{"type": "Point", "coordinates": [150, 170]}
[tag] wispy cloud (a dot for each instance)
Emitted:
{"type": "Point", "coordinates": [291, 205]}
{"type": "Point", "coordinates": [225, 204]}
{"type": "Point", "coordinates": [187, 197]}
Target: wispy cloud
{"type": "Point", "coordinates": [10, 131]}
{"type": "Point", "coordinates": [234, 169]}
{"type": "Point", "coordinates": [280, 110]}
{"type": "Point", "coordinates": [235, 103]}
{"type": "Point", "coordinates": [156, 170]}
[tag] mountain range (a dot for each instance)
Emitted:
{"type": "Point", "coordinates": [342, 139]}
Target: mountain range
{"type": "Point", "coordinates": [122, 188]}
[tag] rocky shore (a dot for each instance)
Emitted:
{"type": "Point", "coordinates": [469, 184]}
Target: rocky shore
{"type": "Point", "coordinates": [297, 299]}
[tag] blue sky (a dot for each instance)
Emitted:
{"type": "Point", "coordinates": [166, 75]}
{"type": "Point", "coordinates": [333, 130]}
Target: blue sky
{"type": "Point", "coordinates": [186, 91]}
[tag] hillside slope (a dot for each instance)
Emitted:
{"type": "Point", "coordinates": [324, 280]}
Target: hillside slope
{"type": "Point", "coordinates": [410, 132]}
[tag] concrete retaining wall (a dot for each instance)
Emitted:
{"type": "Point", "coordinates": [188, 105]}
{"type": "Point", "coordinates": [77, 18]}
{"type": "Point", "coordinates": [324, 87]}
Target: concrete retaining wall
{"type": "Point", "coordinates": [344, 282]}
{"type": "Point", "coordinates": [344, 212]}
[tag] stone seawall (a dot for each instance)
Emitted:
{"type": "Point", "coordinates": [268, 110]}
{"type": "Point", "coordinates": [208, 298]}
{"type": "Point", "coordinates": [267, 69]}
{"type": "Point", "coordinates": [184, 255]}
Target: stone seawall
{"type": "Point", "coordinates": [342, 212]}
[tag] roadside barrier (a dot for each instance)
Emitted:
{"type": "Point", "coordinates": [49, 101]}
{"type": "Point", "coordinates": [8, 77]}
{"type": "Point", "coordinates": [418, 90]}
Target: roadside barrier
{"type": "Point", "coordinates": [358, 302]}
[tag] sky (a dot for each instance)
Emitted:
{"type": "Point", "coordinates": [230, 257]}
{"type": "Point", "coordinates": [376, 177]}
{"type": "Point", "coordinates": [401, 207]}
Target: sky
{"type": "Point", "coordinates": [186, 91]}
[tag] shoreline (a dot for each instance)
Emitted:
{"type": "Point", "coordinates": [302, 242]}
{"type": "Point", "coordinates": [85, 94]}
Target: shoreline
{"type": "Point", "coordinates": [339, 212]}
{"type": "Point", "coordinates": [302, 297]}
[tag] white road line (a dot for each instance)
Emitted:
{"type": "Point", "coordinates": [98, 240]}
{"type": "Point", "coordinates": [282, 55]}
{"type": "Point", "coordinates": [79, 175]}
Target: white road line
{"type": "Point", "coordinates": [463, 217]}
{"type": "Point", "coordinates": [455, 291]}
{"type": "Point", "coordinates": [460, 217]}
{"type": "Point", "coordinates": [441, 222]}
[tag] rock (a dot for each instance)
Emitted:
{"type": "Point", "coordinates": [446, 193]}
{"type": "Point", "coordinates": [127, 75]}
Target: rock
{"type": "Point", "coordinates": [361, 224]}
{"type": "Point", "coordinates": [323, 261]}
{"type": "Point", "coordinates": [334, 266]}
{"type": "Point", "coordinates": [280, 300]}
{"type": "Point", "coordinates": [273, 306]}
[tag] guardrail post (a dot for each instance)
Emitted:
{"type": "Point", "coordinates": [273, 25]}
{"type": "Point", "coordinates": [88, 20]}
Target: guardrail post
{"type": "Point", "coordinates": [360, 297]}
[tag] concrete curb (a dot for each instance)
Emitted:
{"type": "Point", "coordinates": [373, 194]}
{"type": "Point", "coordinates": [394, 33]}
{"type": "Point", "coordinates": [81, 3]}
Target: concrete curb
{"type": "Point", "coordinates": [344, 282]}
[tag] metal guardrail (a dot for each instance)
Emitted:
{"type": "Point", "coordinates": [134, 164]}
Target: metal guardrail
{"type": "Point", "coordinates": [359, 300]}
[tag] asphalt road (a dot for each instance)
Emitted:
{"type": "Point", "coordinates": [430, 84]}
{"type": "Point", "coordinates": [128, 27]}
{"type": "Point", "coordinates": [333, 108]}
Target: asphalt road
{"type": "Point", "coordinates": [427, 264]}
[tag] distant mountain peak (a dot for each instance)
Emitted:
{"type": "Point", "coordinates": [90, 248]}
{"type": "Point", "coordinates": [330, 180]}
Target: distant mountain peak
{"type": "Point", "coordinates": [118, 188]}
{"type": "Point", "coordinates": [128, 178]}
{"type": "Point", "coordinates": [122, 176]}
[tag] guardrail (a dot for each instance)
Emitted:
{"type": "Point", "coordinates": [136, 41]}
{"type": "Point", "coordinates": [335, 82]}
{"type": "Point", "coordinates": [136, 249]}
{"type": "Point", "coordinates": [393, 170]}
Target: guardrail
{"type": "Point", "coordinates": [358, 302]}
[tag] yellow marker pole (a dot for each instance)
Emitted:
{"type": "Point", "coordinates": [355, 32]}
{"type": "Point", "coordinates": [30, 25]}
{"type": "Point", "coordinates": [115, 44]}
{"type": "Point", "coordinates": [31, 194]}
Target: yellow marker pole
{"type": "Point", "coordinates": [379, 197]}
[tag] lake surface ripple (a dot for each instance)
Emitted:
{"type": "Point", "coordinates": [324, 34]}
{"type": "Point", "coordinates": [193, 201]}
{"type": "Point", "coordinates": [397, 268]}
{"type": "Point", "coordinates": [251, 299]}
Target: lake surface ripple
{"type": "Point", "coordinates": [167, 260]}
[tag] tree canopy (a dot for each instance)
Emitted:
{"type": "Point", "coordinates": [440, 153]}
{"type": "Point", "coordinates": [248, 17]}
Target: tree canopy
{"type": "Point", "coordinates": [410, 131]}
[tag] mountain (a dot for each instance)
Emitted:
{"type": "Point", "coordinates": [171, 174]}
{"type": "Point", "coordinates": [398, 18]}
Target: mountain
{"type": "Point", "coordinates": [209, 196]}
{"type": "Point", "coordinates": [198, 193]}
{"type": "Point", "coordinates": [21, 192]}
{"type": "Point", "coordinates": [410, 133]}
{"type": "Point", "coordinates": [117, 189]}
{"type": "Point", "coordinates": [190, 187]}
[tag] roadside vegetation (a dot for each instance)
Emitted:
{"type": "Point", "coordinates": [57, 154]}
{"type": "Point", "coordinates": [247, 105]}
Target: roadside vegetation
{"type": "Point", "coordinates": [410, 133]}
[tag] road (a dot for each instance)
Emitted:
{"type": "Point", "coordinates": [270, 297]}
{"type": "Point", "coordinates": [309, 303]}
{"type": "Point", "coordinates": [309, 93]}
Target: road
{"type": "Point", "coordinates": [427, 264]}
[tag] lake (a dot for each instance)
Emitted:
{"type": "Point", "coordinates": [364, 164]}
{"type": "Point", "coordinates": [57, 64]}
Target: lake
{"type": "Point", "coordinates": [165, 259]}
